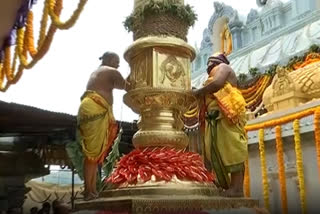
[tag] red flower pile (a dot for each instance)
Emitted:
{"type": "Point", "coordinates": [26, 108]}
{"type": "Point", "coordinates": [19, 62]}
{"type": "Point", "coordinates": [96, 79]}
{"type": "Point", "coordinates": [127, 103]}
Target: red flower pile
{"type": "Point", "coordinates": [163, 163]}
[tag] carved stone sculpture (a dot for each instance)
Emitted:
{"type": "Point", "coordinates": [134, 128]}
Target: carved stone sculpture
{"type": "Point", "coordinates": [289, 89]}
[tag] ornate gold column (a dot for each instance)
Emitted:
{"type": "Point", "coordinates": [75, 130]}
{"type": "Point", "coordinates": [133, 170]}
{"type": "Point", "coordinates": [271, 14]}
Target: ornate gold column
{"type": "Point", "coordinates": [160, 76]}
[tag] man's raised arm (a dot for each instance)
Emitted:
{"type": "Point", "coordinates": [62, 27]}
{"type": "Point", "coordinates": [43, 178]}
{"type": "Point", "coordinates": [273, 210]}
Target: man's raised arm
{"type": "Point", "coordinates": [119, 82]}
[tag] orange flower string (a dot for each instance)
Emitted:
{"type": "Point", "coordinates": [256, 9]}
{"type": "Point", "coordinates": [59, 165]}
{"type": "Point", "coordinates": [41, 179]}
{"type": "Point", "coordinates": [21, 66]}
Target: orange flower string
{"type": "Point", "coordinates": [71, 21]}
{"type": "Point", "coordinates": [25, 44]}
{"type": "Point", "coordinates": [7, 62]}
{"type": "Point", "coordinates": [29, 35]}
{"type": "Point", "coordinates": [1, 75]}
{"type": "Point", "coordinates": [249, 91]}
{"type": "Point", "coordinates": [259, 92]}
{"type": "Point", "coordinates": [281, 171]}
{"type": "Point", "coordinates": [265, 182]}
{"type": "Point", "coordinates": [21, 47]}
{"type": "Point", "coordinates": [317, 136]}
{"type": "Point", "coordinates": [246, 180]}
{"type": "Point", "coordinates": [299, 163]}
{"type": "Point", "coordinates": [281, 121]}
{"type": "Point", "coordinates": [43, 24]}
{"type": "Point", "coordinates": [45, 46]}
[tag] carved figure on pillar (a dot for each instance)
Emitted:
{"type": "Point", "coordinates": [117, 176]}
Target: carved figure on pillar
{"type": "Point", "coordinates": [226, 40]}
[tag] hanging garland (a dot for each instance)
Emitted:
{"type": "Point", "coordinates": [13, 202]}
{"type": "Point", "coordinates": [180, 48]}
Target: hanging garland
{"type": "Point", "coordinates": [1, 74]}
{"type": "Point", "coordinates": [71, 21]}
{"type": "Point", "coordinates": [25, 41]}
{"type": "Point", "coordinates": [7, 63]}
{"type": "Point", "coordinates": [43, 24]}
{"type": "Point", "coordinates": [317, 136]}
{"type": "Point", "coordinates": [265, 182]}
{"type": "Point", "coordinates": [281, 171]}
{"type": "Point", "coordinates": [29, 31]}
{"type": "Point", "coordinates": [259, 93]}
{"type": "Point", "coordinates": [299, 163]}
{"type": "Point", "coordinates": [280, 121]}
{"type": "Point", "coordinates": [246, 180]}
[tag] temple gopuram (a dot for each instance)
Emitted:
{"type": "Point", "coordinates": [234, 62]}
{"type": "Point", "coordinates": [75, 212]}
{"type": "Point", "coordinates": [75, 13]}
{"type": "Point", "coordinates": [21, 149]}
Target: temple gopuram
{"type": "Point", "coordinates": [275, 51]}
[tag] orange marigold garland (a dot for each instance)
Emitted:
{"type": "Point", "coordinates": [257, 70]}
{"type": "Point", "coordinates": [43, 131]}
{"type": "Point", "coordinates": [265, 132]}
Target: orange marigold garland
{"type": "Point", "coordinates": [7, 62]}
{"type": "Point", "coordinates": [25, 45]}
{"type": "Point", "coordinates": [265, 182]}
{"type": "Point", "coordinates": [21, 46]}
{"type": "Point", "coordinates": [246, 180]}
{"type": "Point", "coordinates": [163, 163]}
{"type": "Point", "coordinates": [249, 91]}
{"type": "Point", "coordinates": [281, 171]}
{"type": "Point", "coordinates": [30, 38]}
{"type": "Point", "coordinates": [280, 121]}
{"type": "Point", "coordinates": [71, 21]}
{"type": "Point", "coordinates": [1, 75]}
{"type": "Point", "coordinates": [43, 24]}
{"type": "Point", "coordinates": [317, 136]}
{"type": "Point", "coordinates": [299, 163]}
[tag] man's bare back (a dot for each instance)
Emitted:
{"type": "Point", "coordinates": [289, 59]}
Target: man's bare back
{"type": "Point", "coordinates": [104, 80]}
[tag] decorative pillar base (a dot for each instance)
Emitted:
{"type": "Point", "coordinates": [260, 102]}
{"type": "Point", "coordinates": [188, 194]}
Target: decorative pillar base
{"type": "Point", "coordinates": [169, 203]}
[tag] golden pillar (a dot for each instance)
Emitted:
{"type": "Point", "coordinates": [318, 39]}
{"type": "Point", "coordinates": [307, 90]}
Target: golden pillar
{"type": "Point", "coordinates": [160, 76]}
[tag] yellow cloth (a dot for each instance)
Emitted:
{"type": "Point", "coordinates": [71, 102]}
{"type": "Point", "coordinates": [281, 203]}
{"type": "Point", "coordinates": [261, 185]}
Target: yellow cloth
{"type": "Point", "coordinates": [231, 139]}
{"type": "Point", "coordinates": [225, 142]}
{"type": "Point", "coordinates": [97, 126]}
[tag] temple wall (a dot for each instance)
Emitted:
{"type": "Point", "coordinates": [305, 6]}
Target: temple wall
{"type": "Point", "coordinates": [277, 23]}
{"type": "Point", "coordinates": [311, 174]}
{"type": "Point", "coordinates": [312, 184]}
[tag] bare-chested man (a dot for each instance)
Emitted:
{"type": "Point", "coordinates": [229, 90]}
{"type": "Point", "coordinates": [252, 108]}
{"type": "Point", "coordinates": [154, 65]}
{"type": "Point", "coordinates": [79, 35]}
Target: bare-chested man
{"type": "Point", "coordinates": [96, 123]}
{"type": "Point", "coordinates": [225, 145]}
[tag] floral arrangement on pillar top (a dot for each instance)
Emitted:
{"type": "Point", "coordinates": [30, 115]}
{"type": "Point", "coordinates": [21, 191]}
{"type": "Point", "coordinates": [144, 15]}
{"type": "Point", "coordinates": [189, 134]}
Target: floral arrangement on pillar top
{"type": "Point", "coordinates": [169, 18]}
{"type": "Point", "coordinates": [163, 163]}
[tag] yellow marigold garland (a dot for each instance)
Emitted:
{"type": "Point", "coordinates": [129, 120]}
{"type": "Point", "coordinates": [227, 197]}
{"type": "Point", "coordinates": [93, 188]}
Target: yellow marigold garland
{"type": "Point", "coordinates": [265, 182]}
{"type": "Point", "coordinates": [259, 93]}
{"type": "Point", "coordinates": [255, 90]}
{"type": "Point", "coordinates": [71, 21]}
{"type": "Point", "coordinates": [1, 75]}
{"type": "Point", "coordinates": [281, 171]}
{"type": "Point", "coordinates": [317, 136]}
{"type": "Point", "coordinates": [25, 44]}
{"type": "Point", "coordinates": [299, 163]}
{"type": "Point", "coordinates": [249, 91]}
{"type": "Point", "coordinates": [29, 33]}
{"type": "Point", "coordinates": [43, 24]}
{"type": "Point", "coordinates": [246, 180]}
{"type": "Point", "coordinates": [7, 63]}
{"type": "Point", "coordinates": [21, 46]}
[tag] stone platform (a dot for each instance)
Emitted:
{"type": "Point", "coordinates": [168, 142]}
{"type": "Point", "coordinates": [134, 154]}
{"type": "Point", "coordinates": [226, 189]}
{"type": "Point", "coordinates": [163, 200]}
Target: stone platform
{"type": "Point", "coordinates": [164, 200]}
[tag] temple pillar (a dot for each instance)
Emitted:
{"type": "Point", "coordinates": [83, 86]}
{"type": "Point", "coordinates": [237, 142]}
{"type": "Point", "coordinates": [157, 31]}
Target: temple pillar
{"type": "Point", "coordinates": [236, 31]}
